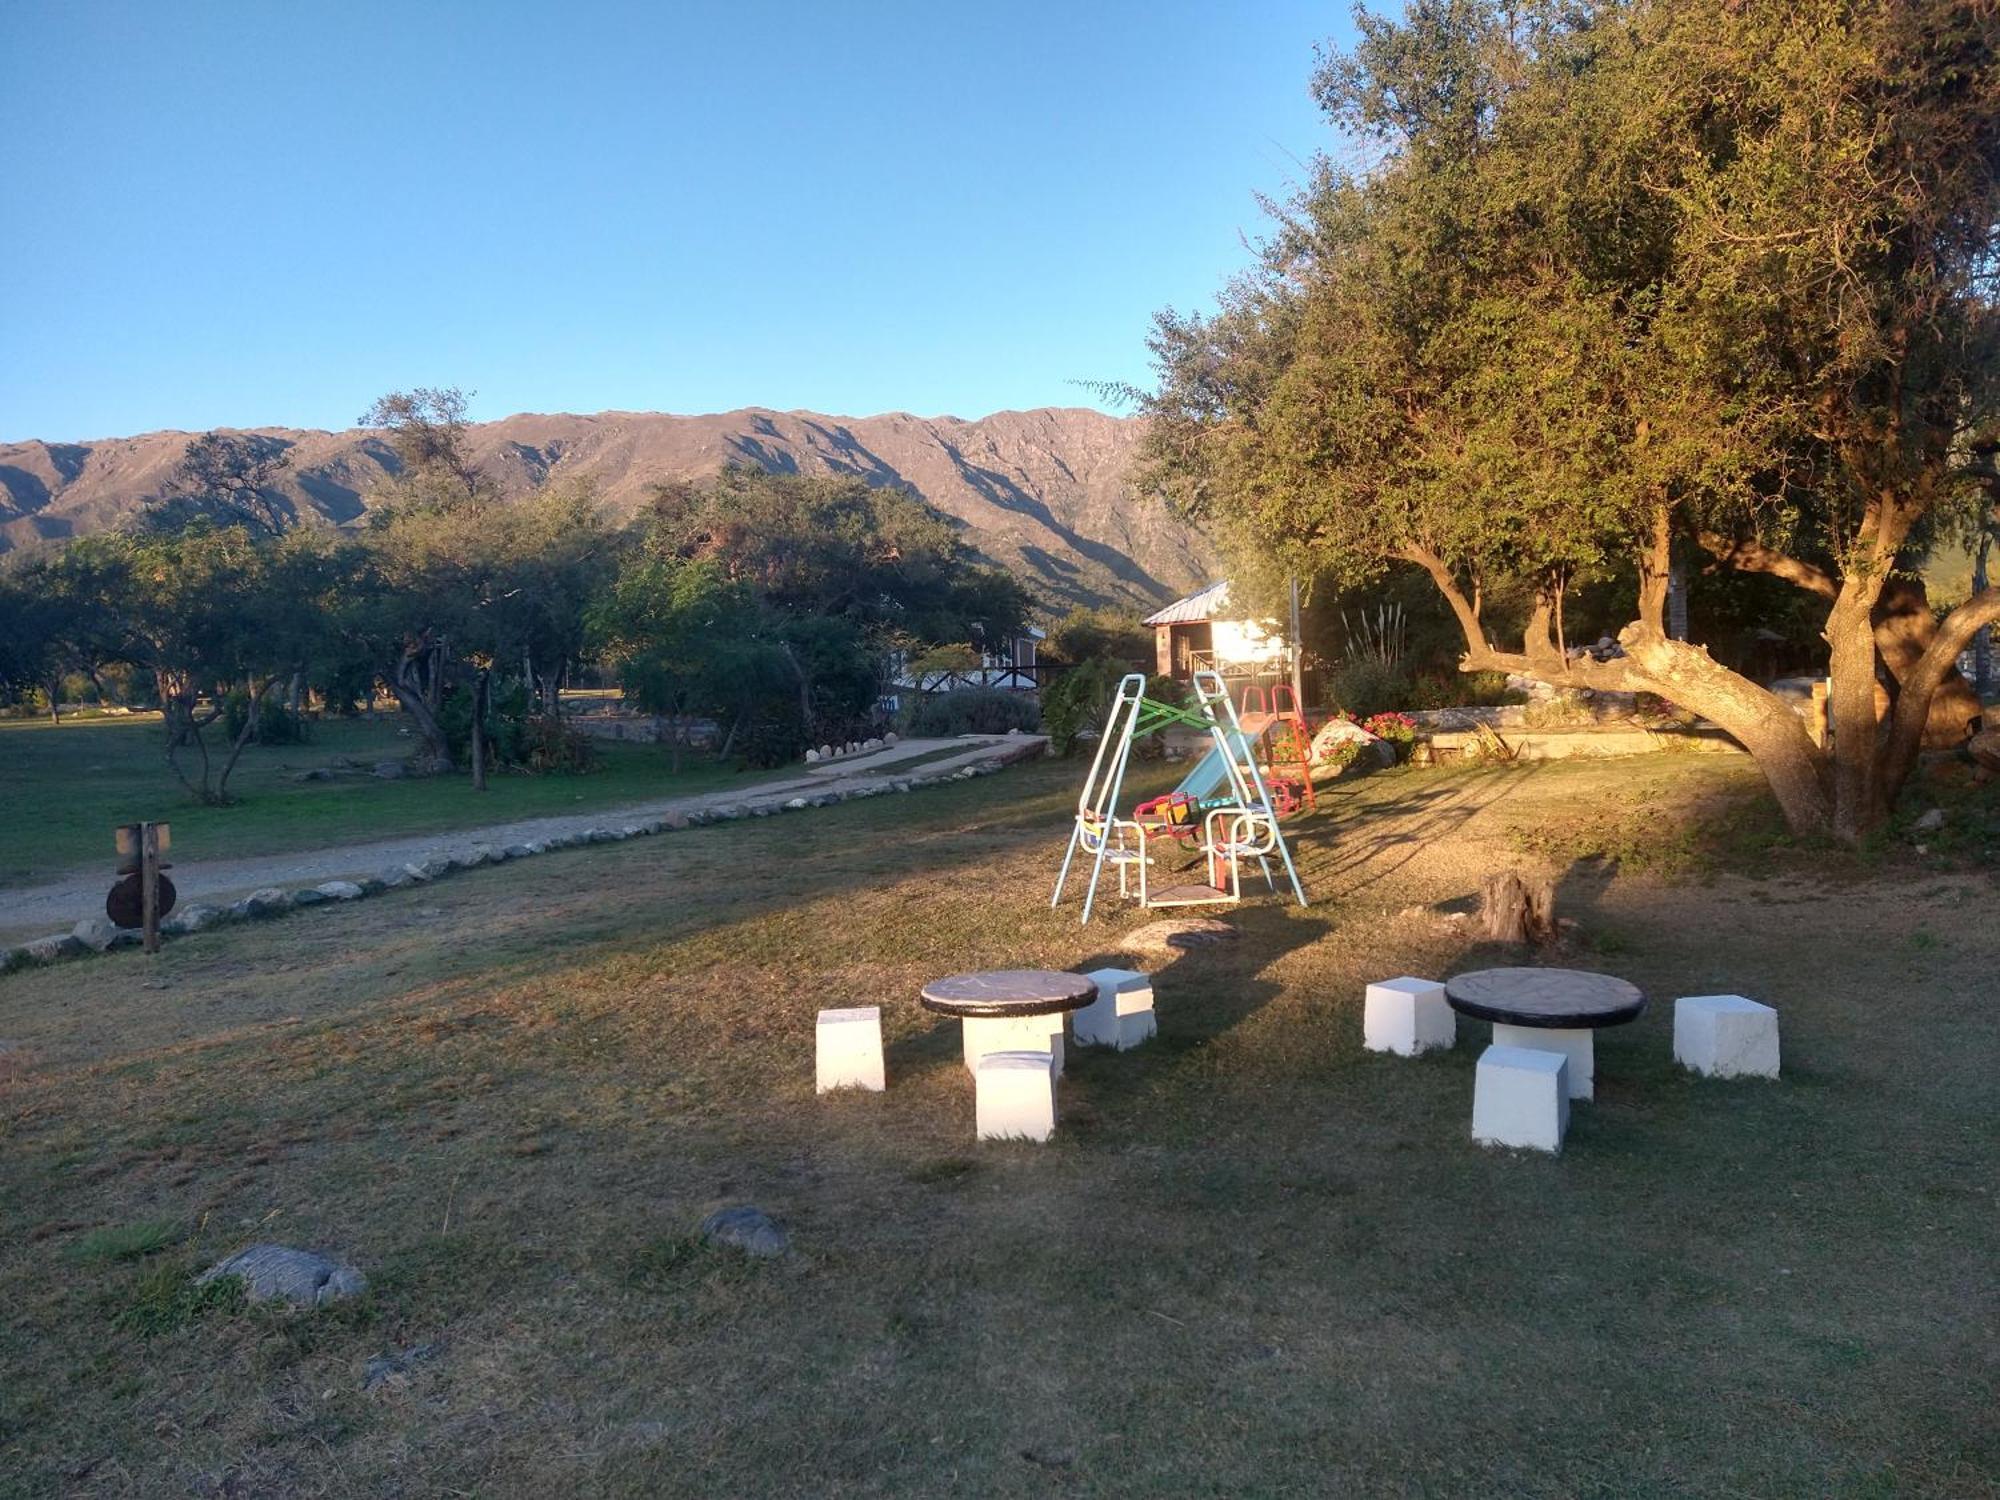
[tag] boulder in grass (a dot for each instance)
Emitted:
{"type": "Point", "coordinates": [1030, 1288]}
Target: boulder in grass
{"type": "Point", "coordinates": [196, 918]}
{"type": "Point", "coordinates": [520, 851]}
{"type": "Point", "coordinates": [433, 867]}
{"type": "Point", "coordinates": [268, 902]}
{"type": "Point", "coordinates": [307, 895]}
{"type": "Point", "coordinates": [57, 946]}
{"type": "Point", "coordinates": [101, 934]}
{"type": "Point", "coordinates": [340, 890]}
{"type": "Point", "coordinates": [279, 1272]}
{"type": "Point", "coordinates": [747, 1228]}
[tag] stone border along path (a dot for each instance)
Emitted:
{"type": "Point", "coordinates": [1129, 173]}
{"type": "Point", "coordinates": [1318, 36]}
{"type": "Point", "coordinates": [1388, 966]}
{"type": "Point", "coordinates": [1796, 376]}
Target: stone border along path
{"type": "Point", "coordinates": [413, 861]}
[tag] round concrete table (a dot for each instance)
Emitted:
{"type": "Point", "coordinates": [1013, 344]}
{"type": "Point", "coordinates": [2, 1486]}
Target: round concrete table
{"type": "Point", "coordinates": [1548, 1010]}
{"type": "Point", "coordinates": [1010, 1010]}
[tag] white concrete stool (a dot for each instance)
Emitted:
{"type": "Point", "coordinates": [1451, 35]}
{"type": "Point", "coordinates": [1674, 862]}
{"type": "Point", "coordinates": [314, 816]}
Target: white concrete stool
{"type": "Point", "coordinates": [1407, 1016]}
{"type": "Point", "coordinates": [1579, 1045]}
{"type": "Point", "coordinates": [1016, 1096]}
{"type": "Point", "coordinates": [1122, 1014]}
{"type": "Point", "coordinates": [1726, 1036]}
{"type": "Point", "coordinates": [1520, 1098]}
{"type": "Point", "coordinates": [850, 1049]}
{"type": "Point", "coordinates": [988, 1034]}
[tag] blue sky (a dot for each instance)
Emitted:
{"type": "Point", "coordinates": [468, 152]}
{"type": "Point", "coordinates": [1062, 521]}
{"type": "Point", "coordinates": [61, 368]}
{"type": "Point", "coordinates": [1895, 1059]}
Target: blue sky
{"type": "Point", "coordinates": [247, 214]}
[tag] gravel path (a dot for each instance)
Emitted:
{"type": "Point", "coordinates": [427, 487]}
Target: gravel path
{"type": "Point", "coordinates": [36, 911]}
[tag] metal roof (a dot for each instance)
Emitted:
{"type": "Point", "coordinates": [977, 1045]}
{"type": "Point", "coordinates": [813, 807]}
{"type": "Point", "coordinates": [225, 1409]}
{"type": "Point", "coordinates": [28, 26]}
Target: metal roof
{"type": "Point", "coordinates": [1195, 608]}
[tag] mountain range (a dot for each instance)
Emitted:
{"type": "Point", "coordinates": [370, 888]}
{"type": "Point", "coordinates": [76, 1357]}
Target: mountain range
{"type": "Point", "coordinates": [1041, 493]}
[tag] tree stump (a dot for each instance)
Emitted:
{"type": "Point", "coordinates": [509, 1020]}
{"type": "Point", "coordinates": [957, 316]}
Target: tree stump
{"type": "Point", "coordinates": [1513, 909]}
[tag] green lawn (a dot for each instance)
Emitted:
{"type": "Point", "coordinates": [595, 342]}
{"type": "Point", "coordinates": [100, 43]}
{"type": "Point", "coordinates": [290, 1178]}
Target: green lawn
{"type": "Point", "coordinates": [1255, 1261]}
{"type": "Point", "coordinates": [67, 787]}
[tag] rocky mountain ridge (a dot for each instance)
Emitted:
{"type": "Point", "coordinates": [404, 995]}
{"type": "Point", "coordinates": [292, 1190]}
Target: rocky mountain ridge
{"type": "Point", "coordinates": [1042, 493]}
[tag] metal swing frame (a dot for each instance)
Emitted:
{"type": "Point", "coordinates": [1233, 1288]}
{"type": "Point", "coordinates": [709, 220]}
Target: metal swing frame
{"type": "Point", "coordinates": [1246, 827]}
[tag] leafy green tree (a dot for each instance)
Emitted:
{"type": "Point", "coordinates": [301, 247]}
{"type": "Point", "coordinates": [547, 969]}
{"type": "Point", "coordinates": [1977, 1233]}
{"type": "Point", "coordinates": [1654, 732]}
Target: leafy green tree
{"type": "Point", "coordinates": [425, 428]}
{"type": "Point", "coordinates": [1619, 281]}
{"type": "Point", "coordinates": [684, 638]}
{"type": "Point", "coordinates": [228, 479]}
{"type": "Point", "coordinates": [1089, 634]}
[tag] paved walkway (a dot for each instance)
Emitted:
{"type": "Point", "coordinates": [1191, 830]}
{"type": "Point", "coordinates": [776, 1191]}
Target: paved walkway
{"type": "Point", "coordinates": [57, 906]}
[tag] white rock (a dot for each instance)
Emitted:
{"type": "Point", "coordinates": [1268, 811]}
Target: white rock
{"type": "Point", "coordinates": [296, 1276]}
{"type": "Point", "coordinates": [1520, 1098]}
{"type": "Point", "coordinates": [849, 1049]}
{"type": "Point", "coordinates": [1016, 1096]}
{"type": "Point", "coordinates": [797, 803]}
{"type": "Point", "coordinates": [1930, 822]}
{"type": "Point", "coordinates": [1407, 1016]}
{"type": "Point", "coordinates": [1122, 1014]}
{"type": "Point", "coordinates": [812, 757]}
{"type": "Point", "coordinates": [826, 752]}
{"type": "Point", "coordinates": [103, 934]}
{"type": "Point", "coordinates": [1726, 1036]}
{"type": "Point", "coordinates": [871, 744]}
{"type": "Point", "coordinates": [339, 890]}
{"type": "Point", "coordinates": [892, 738]}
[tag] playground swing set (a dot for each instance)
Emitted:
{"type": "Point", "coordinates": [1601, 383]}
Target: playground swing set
{"type": "Point", "coordinates": [1257, 771]}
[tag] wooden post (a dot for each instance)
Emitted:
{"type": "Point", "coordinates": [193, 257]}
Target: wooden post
{"type": "Point", "coordinates": [149, 884]}
{"type": "Point", "coordinates": [479, 733]}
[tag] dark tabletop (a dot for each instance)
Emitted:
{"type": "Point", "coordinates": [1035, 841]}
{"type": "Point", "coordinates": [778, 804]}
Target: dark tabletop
{"type": "Point", "coordinates": [1009, 992]}
{"type": "Point", "coordinates": [1564, 999]}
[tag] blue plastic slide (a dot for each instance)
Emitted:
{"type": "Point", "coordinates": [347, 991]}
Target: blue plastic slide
{"type": "Point", "coordinates": [1212, 771]}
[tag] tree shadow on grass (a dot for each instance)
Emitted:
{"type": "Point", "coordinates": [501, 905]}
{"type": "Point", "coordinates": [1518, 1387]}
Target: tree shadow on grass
{"type": "Point", "coordinates": [1380, 836]}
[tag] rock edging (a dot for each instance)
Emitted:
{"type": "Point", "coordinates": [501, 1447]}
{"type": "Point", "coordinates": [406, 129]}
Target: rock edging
{"type": "Point", "coordinates": [96, 934]}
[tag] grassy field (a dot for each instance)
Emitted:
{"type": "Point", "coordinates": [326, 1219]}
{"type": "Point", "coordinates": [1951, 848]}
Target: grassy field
{"type": "Point", "coordinates": [1255, 1261]}
{"type": "Point", "coordinates": [73, 784]}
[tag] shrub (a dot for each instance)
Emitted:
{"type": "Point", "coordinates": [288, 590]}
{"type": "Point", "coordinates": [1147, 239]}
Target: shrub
{"type": "Point", "coordinates": [1462, 690]}
{"type": "Point", "coordinates": [548, 744]}
{"type": "Point", "coordinates": [276, 724]}
{"type": "Point", "coordinates": [1395, 728]}
{"type": "Point", "coordinates": [1365, 686]}
{"type": "Point", "coordinates": [515, 736]}
{"type": "Point", "coordinates": [1078, 701]}
{"type": "Point", "coordinates": [970, 711]}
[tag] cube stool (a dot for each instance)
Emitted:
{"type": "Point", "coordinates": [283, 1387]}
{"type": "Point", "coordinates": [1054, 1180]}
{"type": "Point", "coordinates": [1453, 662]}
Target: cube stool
{"type": "Point", "coordinates": [987, 1034]}
{"type": "Point", "coordinates": [1520, 1098]}
{"type": "Point", "coordinates": [1726, 1036]}
{"type": "Point", "coordinates": [1122, 1014]}
{"type": "Point", "coordinates": [1578, 1045]}
{"type": "Point", "coordinates": [850, 1049]}
{"type": "Point", "coordinates": [1407, 1016]}
{"type": "Point", "coordinates": [1016, 1096]}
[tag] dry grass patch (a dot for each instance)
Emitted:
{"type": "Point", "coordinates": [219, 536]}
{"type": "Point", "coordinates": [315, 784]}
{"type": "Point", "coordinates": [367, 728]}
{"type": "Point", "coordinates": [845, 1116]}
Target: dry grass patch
{"type": "Point", "coordinates": [1255, 1260]}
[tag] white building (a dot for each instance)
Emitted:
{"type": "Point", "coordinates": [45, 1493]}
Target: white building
{"type": "Point", "coordinates": [1201, 633]}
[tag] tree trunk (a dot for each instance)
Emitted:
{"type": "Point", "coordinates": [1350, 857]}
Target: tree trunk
{"type": "Point", "coordinates": [251, 719]}
{"type": "Point", "coordinates": [416, 698]}
{"type": "Point", "coordinates": [479, 733]}
{"type": "Point", "coordinates": [1913, 717]}
{"type": "Point", "coordinates": [1850, 634]}
{"type": "Point", "coordinates": [53, 689]}
{"type": "Point", "coordinates": [1513, 909]}
{"type": "Point", "coordinates": [1905, 626]}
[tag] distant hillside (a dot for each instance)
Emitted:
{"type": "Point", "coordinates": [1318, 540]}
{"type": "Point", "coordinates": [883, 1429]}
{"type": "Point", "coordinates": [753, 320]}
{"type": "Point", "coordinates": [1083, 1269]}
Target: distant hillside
{"type": "Point", "coordinates": [1041, 493]}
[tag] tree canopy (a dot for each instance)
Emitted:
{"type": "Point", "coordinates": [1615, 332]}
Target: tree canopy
{"type": "Point", "coordinates": [1597, 286]}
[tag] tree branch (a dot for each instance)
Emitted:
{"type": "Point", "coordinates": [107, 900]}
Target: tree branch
{"type": "Point", "coordinates": [1755, 557]}
{"type": "Point", "coordinates": [1921, 682]}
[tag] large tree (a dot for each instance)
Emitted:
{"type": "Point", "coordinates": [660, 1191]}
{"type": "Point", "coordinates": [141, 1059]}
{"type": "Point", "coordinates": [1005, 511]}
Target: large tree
{"type": "Point", "coordinates": [1598, 285]}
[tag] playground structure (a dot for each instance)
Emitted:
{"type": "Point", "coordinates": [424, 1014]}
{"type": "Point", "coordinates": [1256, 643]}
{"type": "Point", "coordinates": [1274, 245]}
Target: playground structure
{"type": "Point", "coordinates": [1223, 806]}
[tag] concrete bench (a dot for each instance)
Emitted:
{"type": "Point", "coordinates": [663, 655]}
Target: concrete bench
{"type": "Point", "coordinates": [1726, 1036]}
{"type": "Point", "coordinates": [1122, 1014]}
{"type": "Point", "coordinates": [1520, 1098]}
{"type": "Point", "coordinates": [1016, 1096]}
{"type": "Point", "coordinates": [849, 1049]}
{"type": "Point", "coordinates": [1407, 1016]}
